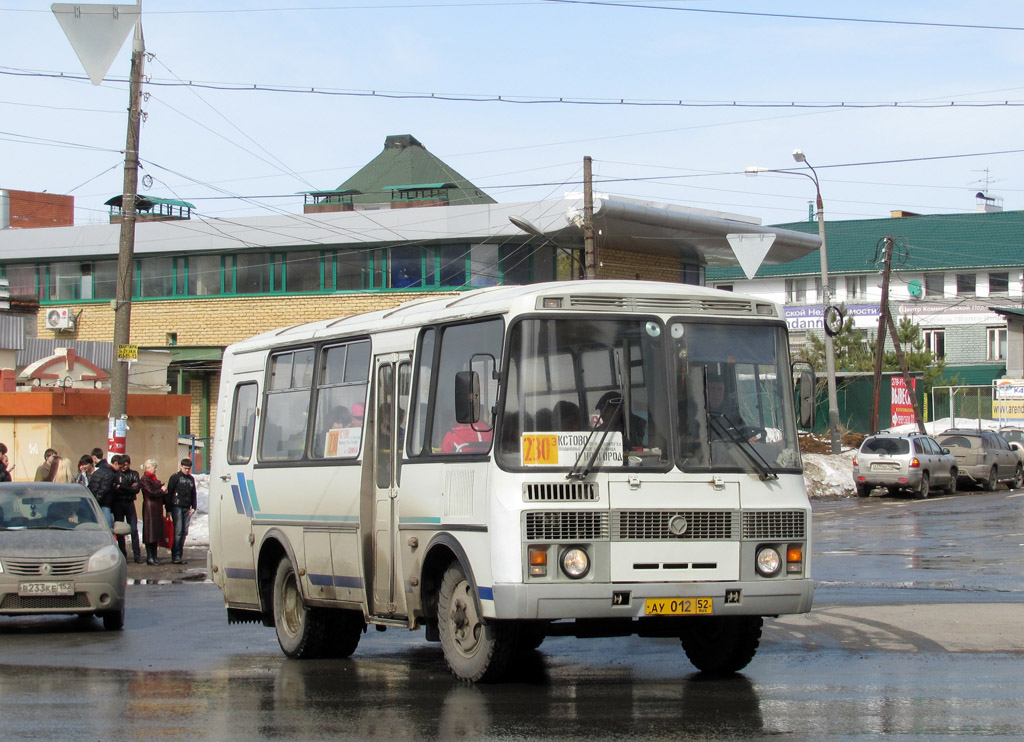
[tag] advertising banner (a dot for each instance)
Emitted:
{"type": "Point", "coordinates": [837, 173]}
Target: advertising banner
{"type": "Point", "coordinates": [1008, 404]}
{"type": "Point", "coordinates": [902, 407]}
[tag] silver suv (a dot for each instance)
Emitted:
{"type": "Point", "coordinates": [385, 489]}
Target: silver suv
{"type": "Point", "coordinates": [903, 462]}
{"type": "Point", "coordinates": [984, 457]}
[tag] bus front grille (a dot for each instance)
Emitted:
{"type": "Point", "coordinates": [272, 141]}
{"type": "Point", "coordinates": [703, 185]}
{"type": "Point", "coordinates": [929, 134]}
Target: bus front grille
{"type": "Point", "coordinates": [773, 524]}
{"type": "Point", "coordinates": [560, 492]}
{"type": "Point", "coordinates": [658, 525]}
{"type": "Point", "coordinates": [585, 525]}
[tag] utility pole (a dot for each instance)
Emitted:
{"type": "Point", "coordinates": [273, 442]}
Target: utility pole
{"type": "Point", "coordinates": [883, 312]}
{"type": "Point", "coordinates": [117, 426]}
{"type": "Point", "coordinates": [885, 320]}
{"type": "Point", "coordinates": [589, 243]}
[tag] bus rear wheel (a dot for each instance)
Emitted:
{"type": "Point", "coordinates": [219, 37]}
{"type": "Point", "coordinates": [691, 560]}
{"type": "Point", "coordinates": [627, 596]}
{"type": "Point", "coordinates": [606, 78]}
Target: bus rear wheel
{"type": "Point", "coordinates": [474, 650]}
{"type": "Point", "coordinates": [721, 645]}
{"type": "Point", "coordinates": [301, 631]}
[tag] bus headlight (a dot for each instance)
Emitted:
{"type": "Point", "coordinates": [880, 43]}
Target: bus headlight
{"type": "Point", "coordinates": [575, 563]}
{"type": "Point", "coordinates": [768, 561]}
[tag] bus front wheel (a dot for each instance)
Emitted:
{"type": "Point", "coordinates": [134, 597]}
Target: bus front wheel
{"type": "Point", "coordinates": [721, 645]}
{"type": "Point", "coordinates": [301, 630]}
{"type": "Point", "coordinates": [474, 650]}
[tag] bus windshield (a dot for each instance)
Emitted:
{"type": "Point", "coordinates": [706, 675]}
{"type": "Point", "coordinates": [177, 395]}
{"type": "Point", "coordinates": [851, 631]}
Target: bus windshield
{"type": "Point", "coordinates": [734, 401]}
{"type": "Point", "coordinates": [585, 393]}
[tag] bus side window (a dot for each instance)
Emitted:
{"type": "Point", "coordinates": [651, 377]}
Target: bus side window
{"type": "Point", "coordinates": [286, 406]}
{"type": "Point", "coordinates": [243, 422]}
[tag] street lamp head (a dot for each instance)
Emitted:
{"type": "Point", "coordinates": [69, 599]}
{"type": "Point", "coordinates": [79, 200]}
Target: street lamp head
{"type": "Point", "coordinates": [798, 155]}
{"type": "Point", "coordinates": [527, 226]}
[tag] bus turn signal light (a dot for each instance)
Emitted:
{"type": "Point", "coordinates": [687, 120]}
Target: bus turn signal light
{"type": "Point", "coordinates": [538, 561]}
{"type": "Point", "coordinates": [794, 559]}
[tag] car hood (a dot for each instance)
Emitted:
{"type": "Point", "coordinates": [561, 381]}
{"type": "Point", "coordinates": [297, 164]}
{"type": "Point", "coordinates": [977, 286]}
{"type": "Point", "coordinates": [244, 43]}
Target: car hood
{"type": "Point", "coordinates": [51, 543]}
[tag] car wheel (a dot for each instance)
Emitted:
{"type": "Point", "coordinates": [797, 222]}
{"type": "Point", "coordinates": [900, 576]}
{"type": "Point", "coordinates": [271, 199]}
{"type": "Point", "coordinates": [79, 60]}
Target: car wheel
{"type": "Point", "coordinates": [990, 483]}
{"type": "Point", "coordinates": [951, 484]}
{"type": "Point", "coordinates": [721, 645]}
{"type": "Point", "coordinates": [922, 489]}
{"type": "Point", "coordinates": [1018, 478]}
{"type": "Point", "coordinates": [863, 490]}
{"type": "Point", "coordinates": [474, 649]}
{"type": "Point", "coordinates": [112, 620]}
{"type": "Point", "coordinates": [301, 630]}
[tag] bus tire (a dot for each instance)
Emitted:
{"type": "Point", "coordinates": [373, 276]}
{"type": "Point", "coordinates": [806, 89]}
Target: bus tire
{"type": "Point", "coordinates": [474, 650]}
{"type": "Point", "coordinates": [301, 630]}
{"type": "Point", "coordinates": [344, 631]}
{"type": "Point", "coordinates": [721, 645]}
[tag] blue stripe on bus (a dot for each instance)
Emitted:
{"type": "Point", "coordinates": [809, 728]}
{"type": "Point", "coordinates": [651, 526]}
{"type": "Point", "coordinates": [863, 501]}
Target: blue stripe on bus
{"type": "Point", "coordinates": [336, 581]}
{"type": "Point", "coordinates": [237, 495]}
{"type": "Point", "coordinates": [436, 520]}
{"type": "Point", "coordinates": [321, 518]}
{"type": "Point", "coordinates": [234, 573]}
{"type": "Point", "coordinates": [245, 494]}
{"type": "Point", "coordinates": [485, 593]}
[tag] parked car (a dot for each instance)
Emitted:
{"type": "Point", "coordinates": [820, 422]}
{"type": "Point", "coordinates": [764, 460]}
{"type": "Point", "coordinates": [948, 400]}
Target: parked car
{"type": "Point", "coordinates": [1012, 435]}
{"type": "Point", "coordinates": [903, 462]}
{"type": "Point", "coordinates": [984, 457]}
{"type": "Point", "coordinates": [58, 555]}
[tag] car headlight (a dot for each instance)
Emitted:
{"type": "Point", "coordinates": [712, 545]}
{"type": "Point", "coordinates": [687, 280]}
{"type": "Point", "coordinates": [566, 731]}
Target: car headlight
{"type": "Point", "coordinates": [105, 558]}
{"type": "Point", "coordinates": [768, 561]}
{"type": "Point", "coordinates": [575, 563]}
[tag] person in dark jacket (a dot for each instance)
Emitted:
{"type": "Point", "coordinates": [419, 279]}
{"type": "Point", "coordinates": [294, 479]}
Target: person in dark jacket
{"type": "Point", "coordinates": [126, 491]}
{"type": "Point", "coordinates": [153, 494]}
{"type": "Point", "coordinates": [182, 501]}
{"type": "Point", "coordinates": [5, 467]}
{"type": "Point", "coordinates": [101, 484]}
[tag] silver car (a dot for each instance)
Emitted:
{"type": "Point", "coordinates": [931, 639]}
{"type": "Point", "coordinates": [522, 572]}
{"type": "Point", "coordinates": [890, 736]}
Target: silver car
{"type": "Point", "coordinates": [57, 554]}
{"type": "Point", "coordinates": [903, 462]}
{"type": "Point", "coordinates": [984, 457]}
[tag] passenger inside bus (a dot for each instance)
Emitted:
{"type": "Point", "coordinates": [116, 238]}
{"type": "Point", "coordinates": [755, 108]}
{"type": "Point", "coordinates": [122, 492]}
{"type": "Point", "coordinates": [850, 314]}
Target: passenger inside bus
{"type": "Point", "coordinates": [566, 416]}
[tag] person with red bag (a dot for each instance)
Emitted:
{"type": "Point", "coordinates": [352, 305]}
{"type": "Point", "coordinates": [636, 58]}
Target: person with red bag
{"type": "Point", "coordinates": [153, 494]}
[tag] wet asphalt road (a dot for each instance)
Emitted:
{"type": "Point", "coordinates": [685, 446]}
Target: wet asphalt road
{"type": "Point", "coordinates": [917, 633]}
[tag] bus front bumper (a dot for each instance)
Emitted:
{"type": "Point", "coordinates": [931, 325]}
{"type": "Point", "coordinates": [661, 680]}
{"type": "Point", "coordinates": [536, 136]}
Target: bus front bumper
{"type": "Point", "coordinates": [629, 600]}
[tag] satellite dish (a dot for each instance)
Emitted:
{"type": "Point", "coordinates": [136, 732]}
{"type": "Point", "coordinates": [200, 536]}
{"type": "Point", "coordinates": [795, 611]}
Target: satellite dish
{"type": "Point", "coordinates": [915, 288]}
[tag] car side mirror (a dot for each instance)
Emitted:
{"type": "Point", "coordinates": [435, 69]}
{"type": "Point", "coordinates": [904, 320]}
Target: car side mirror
{"type": "Point", "coordinates": [945, 450]}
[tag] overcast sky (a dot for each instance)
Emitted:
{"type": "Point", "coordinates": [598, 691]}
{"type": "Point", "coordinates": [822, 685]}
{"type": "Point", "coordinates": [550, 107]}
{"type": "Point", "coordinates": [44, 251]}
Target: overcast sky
{"type": "Point", "coordinates": [299, 113]}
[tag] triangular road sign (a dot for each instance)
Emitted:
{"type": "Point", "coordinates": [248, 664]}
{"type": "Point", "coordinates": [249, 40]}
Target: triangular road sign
{"type": "Point", "coordinates": [750, 250]}
{"type": "Point", "coordinates": [96, 33]}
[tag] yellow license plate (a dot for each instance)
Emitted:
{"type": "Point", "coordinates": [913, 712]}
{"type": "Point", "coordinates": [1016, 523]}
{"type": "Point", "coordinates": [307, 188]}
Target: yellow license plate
{"type": "Point", "coordinates": [677, 606]}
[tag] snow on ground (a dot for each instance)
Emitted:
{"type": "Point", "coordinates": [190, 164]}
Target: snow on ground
{"type": "Point", "coordinates": [824, 476]}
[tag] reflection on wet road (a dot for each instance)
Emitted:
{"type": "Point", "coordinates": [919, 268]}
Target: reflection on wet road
{"type": "Point", "coordinates": [917, 631]}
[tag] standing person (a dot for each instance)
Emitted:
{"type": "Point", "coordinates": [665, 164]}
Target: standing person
{"type": "Point", "coordinates": [85, 470]}
{"type": "Point", "coordinates": [153, 494]}
{"type": "Point", "coordinates": [181, 492]}
{"type": "Point", "coordinates": [5, 465]}
{"type": "Point", "coordinates": [43, 470]}
{"type": "Point", "coordinates": [60, 471]}
{"type": "Point", "coordinates": [126, 491]}
{"type": "Point", "coordinates": [101, 484]}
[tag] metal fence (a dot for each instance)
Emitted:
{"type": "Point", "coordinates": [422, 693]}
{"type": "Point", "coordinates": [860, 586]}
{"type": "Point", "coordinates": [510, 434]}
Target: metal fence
{"type": "Point", "coordinates": [198, 450]}
{"type": "Point", "coordinates": [973, 402]}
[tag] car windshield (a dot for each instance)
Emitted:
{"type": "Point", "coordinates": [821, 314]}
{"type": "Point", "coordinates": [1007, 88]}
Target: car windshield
{"type": "Point", "coordinates": [20, 510]}
{"type": "Point", "coordinates": [889, 446]}
{"type": "Point", "coordinates": [1013, 436]}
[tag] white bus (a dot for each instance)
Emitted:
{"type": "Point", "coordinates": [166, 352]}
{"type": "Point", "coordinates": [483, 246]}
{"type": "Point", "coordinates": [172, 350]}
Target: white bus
{"type": "Point", "coordinates": [600, 458]}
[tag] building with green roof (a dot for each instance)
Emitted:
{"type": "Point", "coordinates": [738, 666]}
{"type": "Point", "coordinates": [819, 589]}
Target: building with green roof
{"type": "Point", "coordinates": [950, 272]}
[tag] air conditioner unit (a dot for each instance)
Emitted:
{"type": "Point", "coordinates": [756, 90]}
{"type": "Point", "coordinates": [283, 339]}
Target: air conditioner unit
{"type": "Point", "coordinates": [60, 318]}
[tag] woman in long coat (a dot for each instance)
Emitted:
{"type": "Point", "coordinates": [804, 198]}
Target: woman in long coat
{"type": "Point", "coordinates": [152, 511]}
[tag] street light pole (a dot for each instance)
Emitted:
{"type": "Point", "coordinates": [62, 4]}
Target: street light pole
{"type": "Point", "coordinates": [826, 300]}
{"type": "Point", "coordinates": [826, 297]}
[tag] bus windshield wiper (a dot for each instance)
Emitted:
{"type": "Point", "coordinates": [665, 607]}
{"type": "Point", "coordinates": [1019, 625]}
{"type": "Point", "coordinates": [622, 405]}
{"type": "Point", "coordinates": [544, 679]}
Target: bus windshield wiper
{"type": "Point", "coordinates": [580, 473]}
{"type": "Point", "coordinates": [731, 431]}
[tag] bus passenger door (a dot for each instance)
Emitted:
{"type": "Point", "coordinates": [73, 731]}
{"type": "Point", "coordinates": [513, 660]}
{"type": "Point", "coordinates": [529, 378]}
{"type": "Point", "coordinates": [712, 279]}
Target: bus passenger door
{"type": "Point", "coordinates": [391, 401]}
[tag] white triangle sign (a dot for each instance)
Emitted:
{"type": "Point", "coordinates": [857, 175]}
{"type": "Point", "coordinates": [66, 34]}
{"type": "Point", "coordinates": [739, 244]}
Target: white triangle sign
{"type": "Point", "coordinates": [750, 250]}
{"type": "Point", "coordinates": [96, 33]}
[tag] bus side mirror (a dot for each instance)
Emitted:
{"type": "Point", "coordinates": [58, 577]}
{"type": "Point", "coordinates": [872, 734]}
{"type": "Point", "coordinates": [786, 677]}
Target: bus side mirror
{"type": "Point", "coordinates": [467, 397]}
{"type": "Point", "coordinates": [807, 386]}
